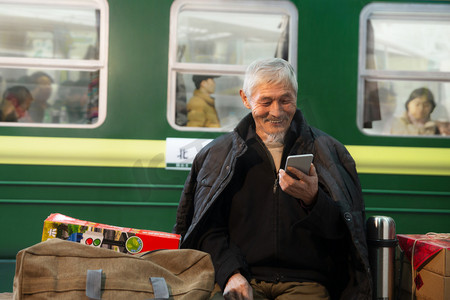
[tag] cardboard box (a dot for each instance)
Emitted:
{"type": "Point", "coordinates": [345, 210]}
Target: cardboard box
{"type": "Point", "coordinates": [431, 267]}
{"type": "Point", "coordinates": [440, 263]}
{"type": "Point", "coordinates": [429, 285]}
{"type": "Point", "coordinates": [126, 240]}
{"type": "Point", "coordinates": [431, 252]}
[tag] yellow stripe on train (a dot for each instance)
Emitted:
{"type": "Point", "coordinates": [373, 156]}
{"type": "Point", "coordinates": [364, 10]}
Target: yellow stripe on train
{"type": "Point", "coordinates": [151, 154]}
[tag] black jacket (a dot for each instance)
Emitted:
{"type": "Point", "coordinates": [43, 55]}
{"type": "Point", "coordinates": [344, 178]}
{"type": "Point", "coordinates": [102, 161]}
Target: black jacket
{"type": "Point", "coordinates": [213, 169]}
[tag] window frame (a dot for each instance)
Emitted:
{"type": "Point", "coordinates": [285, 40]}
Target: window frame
{"type": "Point", "coordinates": [246, 6]}
{"type": "Point", "coordinates": [365, 73]}
{"type": "Point", "coordinates": [92, 65]}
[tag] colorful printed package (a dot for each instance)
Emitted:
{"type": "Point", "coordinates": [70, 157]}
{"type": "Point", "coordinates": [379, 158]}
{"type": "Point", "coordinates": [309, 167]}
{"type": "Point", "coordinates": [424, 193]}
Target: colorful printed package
{"type": "Point", "coordinates": [126, 240]}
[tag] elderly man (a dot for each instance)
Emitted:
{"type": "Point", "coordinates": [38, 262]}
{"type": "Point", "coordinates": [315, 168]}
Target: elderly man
{"type": "Point", "coordinates": [275, 233]}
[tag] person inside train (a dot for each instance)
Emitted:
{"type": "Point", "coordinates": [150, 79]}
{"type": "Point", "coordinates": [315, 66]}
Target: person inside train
{"type": "Point", "coordinates": [274, 233]}
{"type": "Point", "coordinates": [41, 89]}
{"type": "Point", "coordinates": [180, 107]}
{"type": "Point", "coordinates": [201, 110]}
{"type": "Point", "coordinates": [416, 120]}
{"type": "Point", "coordinates": [443, 127]}
{"type": "Point", "coordinates": [15, 103]}
{"type": "Point", "coordinates": [72, 102]}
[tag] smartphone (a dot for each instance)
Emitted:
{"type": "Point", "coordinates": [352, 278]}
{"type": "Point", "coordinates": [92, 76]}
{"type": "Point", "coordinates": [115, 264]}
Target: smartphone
{"type": "Point", "coordinates": [301, 162]}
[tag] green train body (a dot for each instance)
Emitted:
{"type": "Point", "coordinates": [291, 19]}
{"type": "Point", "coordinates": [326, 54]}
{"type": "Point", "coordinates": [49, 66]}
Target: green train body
{"type": "Point", "coordinates": [115, 173]}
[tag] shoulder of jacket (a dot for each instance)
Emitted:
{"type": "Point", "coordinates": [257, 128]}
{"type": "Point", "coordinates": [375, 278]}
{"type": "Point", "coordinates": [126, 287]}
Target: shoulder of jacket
{"type": "Point", "coordinates": [322, 137]}
{"type": "Point", "coordinates": [325, 145]}
{"type": "Point", "coordinates": [223, 146]}
{"type": "Point", "coordinates": [195, 100]}
{"type": "Point", "coordinates": [223, 141]}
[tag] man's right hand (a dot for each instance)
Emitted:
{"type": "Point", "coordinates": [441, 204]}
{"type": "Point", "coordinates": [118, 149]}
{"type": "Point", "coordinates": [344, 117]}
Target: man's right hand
{"type": "Point", "coordinates": [238, 288]}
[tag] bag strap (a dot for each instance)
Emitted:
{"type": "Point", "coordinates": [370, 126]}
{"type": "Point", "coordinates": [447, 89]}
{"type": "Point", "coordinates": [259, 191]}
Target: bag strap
{"type": "Point", "coordinates": [94, 286]}
{"type": "Point", "coordinates": [160, 289]}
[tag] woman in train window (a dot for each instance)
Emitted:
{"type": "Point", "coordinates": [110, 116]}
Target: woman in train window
{"type": "Point", "coordinates": [416, 120]}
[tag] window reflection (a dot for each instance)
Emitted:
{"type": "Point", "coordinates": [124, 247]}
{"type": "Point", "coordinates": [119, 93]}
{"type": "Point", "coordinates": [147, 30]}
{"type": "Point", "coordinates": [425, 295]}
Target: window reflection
{"type": "Point", "coordinates": [412, 108]}
{"type": "Point", "coordinates": [209, 101]}
{"type": "Point", "coordinates": [219, 38]}
{"type": "Point", "coordinates": [72, 102]}
{"type": "Point", "coordinates": [65, 33]}
{"type": "Point", "coordinates": [50, 43]}
{"type": "Point", "coordinates": [412, 42]}
{"type": "Point", "coordinates": [55, 99]}
{"type": "Point", "coordinates": [15, 103]}
{"type": "Point", "coordinates": [231, 37]}
{"type": "Point", "coordinates": [404, 87]}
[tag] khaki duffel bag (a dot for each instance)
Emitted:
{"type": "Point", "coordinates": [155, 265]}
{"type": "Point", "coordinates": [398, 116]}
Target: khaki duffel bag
{"type": "Point", "coordinates": [61, 269]}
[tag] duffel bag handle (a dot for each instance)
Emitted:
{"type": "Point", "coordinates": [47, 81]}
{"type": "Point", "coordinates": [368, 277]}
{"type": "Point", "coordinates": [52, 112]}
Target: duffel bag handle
{"type": "Point", "coordinates": [94, 286]}
{"type": "Point", "coordinates": [160, 289]}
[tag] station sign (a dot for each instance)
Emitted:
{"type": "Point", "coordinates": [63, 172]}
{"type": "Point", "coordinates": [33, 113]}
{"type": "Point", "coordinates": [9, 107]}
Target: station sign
{"type": "Point", "coordinates": [180, 152]}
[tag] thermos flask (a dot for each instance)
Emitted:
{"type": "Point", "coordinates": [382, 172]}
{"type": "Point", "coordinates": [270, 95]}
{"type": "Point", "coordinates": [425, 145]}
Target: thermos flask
{"type": "Point", "coordinates": [381, 240]}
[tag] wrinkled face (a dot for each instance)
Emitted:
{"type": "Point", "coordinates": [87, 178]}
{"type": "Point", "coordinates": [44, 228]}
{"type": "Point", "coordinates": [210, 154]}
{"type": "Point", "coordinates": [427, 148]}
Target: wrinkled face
{"type": "Point", "coordinates": [273, 106]}
{"type": "Point", "coordinates": [420, 109]}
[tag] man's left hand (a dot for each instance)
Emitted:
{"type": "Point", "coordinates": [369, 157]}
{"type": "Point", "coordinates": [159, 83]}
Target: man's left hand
{"type": "Point", "coordinates": [304, 187]}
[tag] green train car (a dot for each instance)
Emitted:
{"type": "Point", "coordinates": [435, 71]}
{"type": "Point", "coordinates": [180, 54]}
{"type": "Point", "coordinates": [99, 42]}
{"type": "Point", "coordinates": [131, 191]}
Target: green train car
{"type": "Point", "coordinates": [105, 138]}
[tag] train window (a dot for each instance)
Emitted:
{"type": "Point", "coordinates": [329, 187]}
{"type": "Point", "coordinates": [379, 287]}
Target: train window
{"type": "Point", "coordinates": [53, 63]}
{"type": "Point", "coordinates": [211, 43]}
{"type": "Point", "coordinates": [227, 102]}
{"type": "Point", "coordinates": [404, 70]}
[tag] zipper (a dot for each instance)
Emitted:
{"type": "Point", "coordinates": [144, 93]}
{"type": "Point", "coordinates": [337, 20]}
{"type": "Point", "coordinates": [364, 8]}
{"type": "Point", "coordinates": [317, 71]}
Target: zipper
{"type": "Point", "coordinates": [269, 156]}
{"type": "Point", "coordinates": [275, 185]}
{"type": "Point", "coordinates": [275, 196]}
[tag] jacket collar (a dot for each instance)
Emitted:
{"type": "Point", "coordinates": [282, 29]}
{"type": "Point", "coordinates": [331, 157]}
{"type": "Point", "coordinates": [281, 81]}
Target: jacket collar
{"type": "Point", "coordinates": [205, 96]}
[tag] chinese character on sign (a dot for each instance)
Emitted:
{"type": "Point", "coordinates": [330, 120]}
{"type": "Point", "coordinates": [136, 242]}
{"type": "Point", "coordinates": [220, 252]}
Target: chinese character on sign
{"type": "Point", "coordinates": [182, 154]}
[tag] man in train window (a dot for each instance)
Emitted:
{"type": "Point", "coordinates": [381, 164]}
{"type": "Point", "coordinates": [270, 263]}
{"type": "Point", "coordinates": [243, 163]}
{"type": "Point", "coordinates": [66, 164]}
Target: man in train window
{"type": "Point", "coordinates": [201, 110]}
{"type": "Point", "coordinates": [41, 89]}
{"type": "Point", "coordinates": [15, 104]}
{"type": "Point", "coordinates": [274, 233]}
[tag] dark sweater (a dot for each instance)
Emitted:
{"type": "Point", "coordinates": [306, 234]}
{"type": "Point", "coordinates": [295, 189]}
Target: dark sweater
{"type": "Point", "coordinates": [215, 166]}
{"type": "Point", "coordinates": [268, 235]}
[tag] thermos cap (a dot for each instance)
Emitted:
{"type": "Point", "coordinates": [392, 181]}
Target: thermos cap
{"type": "Point", "coordinates": [380, 228]}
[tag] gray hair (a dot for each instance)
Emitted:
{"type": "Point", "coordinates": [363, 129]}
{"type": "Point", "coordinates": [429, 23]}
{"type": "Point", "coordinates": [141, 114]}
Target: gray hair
{"type": "Point", "coordinates": [269, 71]}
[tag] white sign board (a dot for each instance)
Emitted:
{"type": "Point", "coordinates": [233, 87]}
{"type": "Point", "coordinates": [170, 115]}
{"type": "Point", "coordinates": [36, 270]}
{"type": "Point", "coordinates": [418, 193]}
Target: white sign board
{"type": "Point", "coordinates": [180, 152]}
